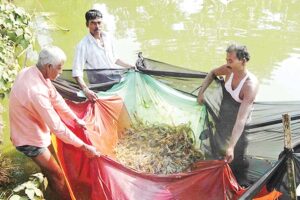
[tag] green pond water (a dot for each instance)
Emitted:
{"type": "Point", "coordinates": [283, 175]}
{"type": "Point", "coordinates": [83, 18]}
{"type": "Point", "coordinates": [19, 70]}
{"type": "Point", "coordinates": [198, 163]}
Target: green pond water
{"type": "Point", "coordinates": [192, 33]}
{"type": "Point", "coordinates": [189, 33]}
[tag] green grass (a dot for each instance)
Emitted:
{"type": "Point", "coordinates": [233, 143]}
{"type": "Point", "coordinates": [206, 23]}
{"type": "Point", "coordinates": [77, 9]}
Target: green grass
{"type": "Point", "coordinates": [23, 166]}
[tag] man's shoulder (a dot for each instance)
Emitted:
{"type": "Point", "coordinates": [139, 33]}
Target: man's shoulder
{"type": "Point", "coordinates": [250, 88]}
{"type": "Point", "coordinates": [25, 75]}
{"type": "Point", "coordinates": [29, 70]}
{"type": "Point", "coordinates": [252, 81]}
{"type": "Point", "coordinates": [28, 84]}
{"type": "Point", "coordinates": [107, 35]}
{"type": "Point", "coordinates": [84, 41]}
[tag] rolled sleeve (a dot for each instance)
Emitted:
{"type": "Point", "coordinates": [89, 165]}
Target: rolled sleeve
{"type": "Point", "coordinates": [43, 106]}
{"type": "Point", "coordinates": [79, 61]}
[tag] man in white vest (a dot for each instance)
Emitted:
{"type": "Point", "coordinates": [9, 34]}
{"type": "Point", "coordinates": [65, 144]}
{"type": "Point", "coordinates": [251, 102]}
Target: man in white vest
{"type": "Point", "coordinates": [239, 93]}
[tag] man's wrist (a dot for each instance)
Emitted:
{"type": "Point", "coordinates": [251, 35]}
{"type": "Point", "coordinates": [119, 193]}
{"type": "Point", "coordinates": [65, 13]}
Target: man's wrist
{"type": "Point", "coordinates": [85, 90]}
{"type": "Point", "coordinates": [231, 146]}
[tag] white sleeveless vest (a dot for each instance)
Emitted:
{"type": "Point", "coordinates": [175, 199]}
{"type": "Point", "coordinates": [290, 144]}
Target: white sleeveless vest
{"type": "Point", "coordinates": [236, 92]}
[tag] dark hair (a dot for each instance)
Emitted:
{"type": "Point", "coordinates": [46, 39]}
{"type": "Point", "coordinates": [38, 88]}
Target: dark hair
{"type": "Point", "coordinates": [92, 14]}
{"type": "Point", "coordinates": [240, 50]}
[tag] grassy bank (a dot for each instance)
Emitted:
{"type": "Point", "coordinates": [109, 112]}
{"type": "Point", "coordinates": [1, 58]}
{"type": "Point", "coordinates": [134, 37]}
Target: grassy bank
{"type": "Point", "coordinates": [23, 167]}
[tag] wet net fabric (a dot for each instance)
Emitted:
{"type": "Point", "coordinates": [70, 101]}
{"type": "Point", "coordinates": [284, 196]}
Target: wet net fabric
{"type": "Point", "coordinates": [166, 83]}
{"type": "Point", "coordinates": [104, 178]}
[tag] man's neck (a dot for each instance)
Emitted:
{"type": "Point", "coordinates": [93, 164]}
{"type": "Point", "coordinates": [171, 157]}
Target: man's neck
{"type": "Point", "coordinates": [43, 71]}
{"type": "Point", "coordinates": [97, 36]}
{"type": "Point", "coordinates": [240, 72]}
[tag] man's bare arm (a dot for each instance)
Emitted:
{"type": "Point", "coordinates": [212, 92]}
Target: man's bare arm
{"type": "Point", "coordinates": [207, 81]}
{"type": "Point", "coordinates": [88, 93]}
{"type": "Point", "coordinates": [123, 64]}
{"type": "Point", "coordinates": [80, 82]}
{"type": "Point", "coordinates": [222, 70]}
{"type": "Point", "coordinates": [243, 113]}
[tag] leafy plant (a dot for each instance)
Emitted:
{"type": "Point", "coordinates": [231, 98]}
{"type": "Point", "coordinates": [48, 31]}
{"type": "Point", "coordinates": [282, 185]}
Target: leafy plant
{"type": "Point", "coordinates": [16, 37]}
{"type": "Point", "coordinates": [32, 189]}
{"type": "Point", "coordinates": [1, 125]}
{"type": "Point", "coordinates": [8, 65]}
{"type": "Point", "coordinates": [15, 25]}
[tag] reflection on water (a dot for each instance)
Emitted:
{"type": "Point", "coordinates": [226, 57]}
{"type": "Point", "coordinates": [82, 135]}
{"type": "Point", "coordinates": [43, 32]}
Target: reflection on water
{"type": "Point", "coordinates": [193, 34]}
{"type": "Point", "coordinates": [269, 20]}
{"type": "Point", "coordinates": [178, 26]}
{"type": "Point", "coordinates": [283, 80]}
{"type": "Point", "coordinates": [42, 30]}
{"type": "Point", "coordinates": [189, 7]}
{"type": "Point", "coordinates": [109, 19]}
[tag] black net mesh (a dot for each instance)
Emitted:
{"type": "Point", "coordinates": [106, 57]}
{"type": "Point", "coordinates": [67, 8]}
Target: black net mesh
{"type": "Point", "coordinates": [264, 131]}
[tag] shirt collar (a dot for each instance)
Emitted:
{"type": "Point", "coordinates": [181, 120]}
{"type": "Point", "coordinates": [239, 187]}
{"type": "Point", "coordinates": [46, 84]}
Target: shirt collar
{"type": "Point", "coordinates": [40, 75]}
{"type": "Point", "coordinates": [93, 40]}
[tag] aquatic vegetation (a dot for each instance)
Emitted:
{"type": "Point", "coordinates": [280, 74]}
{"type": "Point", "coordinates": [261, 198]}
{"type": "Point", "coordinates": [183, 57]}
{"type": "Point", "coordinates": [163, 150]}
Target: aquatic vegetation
{"type": "Point", "coordinates": [157, 148]}
{"type": "Point", "coordinates": [7, 168]}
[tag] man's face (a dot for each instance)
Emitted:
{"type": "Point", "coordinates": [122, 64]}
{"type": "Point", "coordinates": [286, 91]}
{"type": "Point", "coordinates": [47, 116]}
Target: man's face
{"type": "Point", "coordinates": [233, 61]}
{"type": "Point", "coordinates": [95, 26]}
{"type": "Point", "coordinates": [55, 71]}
